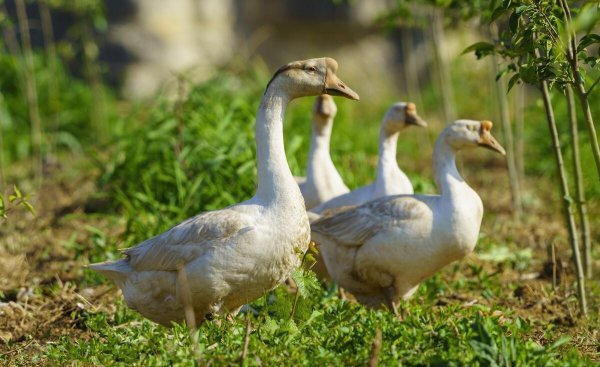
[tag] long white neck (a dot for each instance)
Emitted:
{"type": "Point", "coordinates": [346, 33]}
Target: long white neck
{"type": "Point", "coordinates": [447, 177]}
{"type": "Point", "coordinates": [275, 180]}
{"type": "Point", "coordinates": [460, 206]}
{"type": "Point", "coordinates": [388, 143]}
{"type": "Point", "coordinates": [390, 178]}
{"type": "Point", "coordinates": [318, 156]}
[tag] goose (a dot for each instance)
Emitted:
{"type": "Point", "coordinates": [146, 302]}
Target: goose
{"type": "Point", "coordinates": [390, 178]}
{"type": "Point", "coordinates": [234, 255]}
{"type": "Point", "coordinates": [381, 251]}
{"type": "Point", "coordinates": [322, 181]}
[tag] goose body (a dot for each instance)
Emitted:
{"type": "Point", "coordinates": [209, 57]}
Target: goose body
{"type": "Point", "coordinates": [322, 181]}
{"type": "Point", "coordinates": [391, 180]}
{"type": "Point", "coordinates": [234, 255]}
{"type": "Point", "coordinates": [381, 251]}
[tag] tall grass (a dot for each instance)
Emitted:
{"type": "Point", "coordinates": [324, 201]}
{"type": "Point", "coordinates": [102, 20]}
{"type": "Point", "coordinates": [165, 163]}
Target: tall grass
{"type": "Point", "coordinates": [197, 155]}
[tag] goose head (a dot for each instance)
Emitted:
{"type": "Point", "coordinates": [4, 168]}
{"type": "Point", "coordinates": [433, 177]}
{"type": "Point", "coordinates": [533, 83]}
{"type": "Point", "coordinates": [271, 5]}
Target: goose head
{"type": "Point", "coordinates": [400, 116]}
{"type": "Point", "coordinates": [469, 133]}
{"type": "Point", "coordinates": [309, 78]}
{"type": "Point", "coordinates": [324, 110]}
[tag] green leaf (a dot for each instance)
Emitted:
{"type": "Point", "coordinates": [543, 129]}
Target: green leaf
{"type": "Point", "coordinates": [481, 49]}
{"type": "Point", "coordinates": [497, 13]}
{"type": "Point", "coordinates": [306, 282]}
{"type": "Point", "coordinates": [29, 207]}
{"type": "Point", "coordinates": [17, 191]}
{"type": "Point", "coordinates": [561, 341]}
{"type": "Point", "coordinates": [587, 40]}
{"type": "Point", "coordinates": [521, 9]}
{"type": "Point", "coordinates": [513, 22]}
{"type": "Point", "coordinates": [592, 61]}
{"type": "Point", "coordinates": [309, 259]}
{"type": "Point", "coordinates": [313, 248]}
{"type": "Point", "coordinates": [514, 80]}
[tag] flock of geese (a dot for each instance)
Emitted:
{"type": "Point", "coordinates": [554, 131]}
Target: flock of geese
{"type": "Point", "coordinates": [377, 242]}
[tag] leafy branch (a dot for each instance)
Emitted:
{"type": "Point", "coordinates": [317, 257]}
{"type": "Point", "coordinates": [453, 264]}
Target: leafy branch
{"type": "Point", "coordinates": [303, 277]}
{"type": "Point", "coordinates": [15, 200]}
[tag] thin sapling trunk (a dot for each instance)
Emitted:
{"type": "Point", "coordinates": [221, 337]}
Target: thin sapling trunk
{"type": "Point", "coordinates": [519, 99]}
{"type": "Point", "coordinates": [567, 202]}
{"type": "Point", "coordinates": [437, 38]}
{"type": "Point", "coordinates": [513, 174]}
{"type": "Point", "coordinates": [579, 187]}
{"type": "Point", "coordinates": [579, 84]}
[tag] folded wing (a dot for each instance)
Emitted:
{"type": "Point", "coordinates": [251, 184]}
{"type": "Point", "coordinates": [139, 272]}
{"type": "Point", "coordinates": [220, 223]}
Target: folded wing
{"type": "Point", "coordinates": [353, 226]}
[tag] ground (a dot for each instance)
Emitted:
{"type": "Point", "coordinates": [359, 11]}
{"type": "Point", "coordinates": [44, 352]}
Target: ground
{"type": "Point", "coordinates": [47, 297]}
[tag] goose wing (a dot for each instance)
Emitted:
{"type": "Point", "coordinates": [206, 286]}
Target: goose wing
{"type": "Point", "coordinates": [187, 240]}
{"type": "Point", "coordinates": [353, 226]}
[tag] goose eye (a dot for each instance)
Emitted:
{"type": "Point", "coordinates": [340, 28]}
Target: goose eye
{"type": "Point", "coordinates": [311, 69]}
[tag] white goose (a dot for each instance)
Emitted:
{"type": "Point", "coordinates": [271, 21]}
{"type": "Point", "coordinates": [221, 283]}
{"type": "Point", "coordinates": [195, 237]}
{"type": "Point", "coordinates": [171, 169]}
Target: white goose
{"type": "Point", "coordinates": [233, 255]}
{"type": "Point", "coordinates": [382, 250]}
{"type": "Point", "coordinates": [322, 182]}
{"type": "Point", "coordinates": [390, 178]}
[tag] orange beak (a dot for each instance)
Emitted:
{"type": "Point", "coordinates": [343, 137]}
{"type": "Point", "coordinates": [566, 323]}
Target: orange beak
{"type": "Point", "coordinates": [410, 111]}
{"type": "Point", "coordinates": [486, 139]}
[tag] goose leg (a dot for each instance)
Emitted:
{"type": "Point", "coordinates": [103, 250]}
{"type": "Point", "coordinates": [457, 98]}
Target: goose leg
{"type": "Point", "coordinates": [389, 294]}
{"type": "Point", "coordinates": [342, 293]}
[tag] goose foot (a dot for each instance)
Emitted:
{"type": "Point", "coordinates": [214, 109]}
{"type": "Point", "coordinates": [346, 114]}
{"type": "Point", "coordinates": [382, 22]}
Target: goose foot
{"type": "Point", "coordinates": [342, 294]}
{"type": "Point", "coordinates": [389, 294]}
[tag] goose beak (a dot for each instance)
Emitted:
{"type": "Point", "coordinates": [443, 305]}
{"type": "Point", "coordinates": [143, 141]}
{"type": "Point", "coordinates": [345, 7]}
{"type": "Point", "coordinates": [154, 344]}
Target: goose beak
{"type": "Point", "coordinates": [486, 139]}
{"type": "Point", "coordinates": [412, 118]}
{"type": "Point", "coordinates": [333, 85]}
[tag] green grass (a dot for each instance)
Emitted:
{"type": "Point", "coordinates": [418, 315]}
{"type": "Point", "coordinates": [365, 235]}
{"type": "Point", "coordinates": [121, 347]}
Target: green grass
{"type": "Point", "coordinates": [325, 331]}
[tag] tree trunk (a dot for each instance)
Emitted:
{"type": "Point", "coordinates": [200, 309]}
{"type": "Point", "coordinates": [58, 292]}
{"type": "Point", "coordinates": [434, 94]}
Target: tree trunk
{"type": "Point", "coordinates": [589, 120]}
{"type": "Point", "coordinates": [513, 174]}
{"type": "Point", "coordinates": [564, 189]}
{"type": "Point", "coordinates": [30, 87]}
{"type": "Point", "coordinates": [53, 95]}
{"type": "Point", "coordinates": [519, 99]}
{"type": "Point", "coordinates": [579, 187]}
{"type": "Point", "coordinates": [437, 38]}
{"type": "Point", "coordinates": [411, 77]}
{"type": "Point", "coordinates": [411, 72]}
{"type": "Point", "coordinates": [579, 83]}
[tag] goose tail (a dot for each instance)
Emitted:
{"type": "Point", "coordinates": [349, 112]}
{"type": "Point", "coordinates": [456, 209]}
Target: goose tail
{"type": "Point", "coordinates": [117, 271]}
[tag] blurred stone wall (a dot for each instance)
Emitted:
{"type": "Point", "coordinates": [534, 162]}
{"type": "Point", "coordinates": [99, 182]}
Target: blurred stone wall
{"type": "Point", "coordinates": [162, 38]}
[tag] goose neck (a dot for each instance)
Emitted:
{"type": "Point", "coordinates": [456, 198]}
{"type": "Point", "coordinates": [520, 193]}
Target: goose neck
{"type": "Point", "coordinates": [321, 134]}
{"type": "Point", "coordinates": [444, 166]}
{"type": "Point", "coordinates": [387, 163]}
{"type": "Point", "coordinates": [274, 176]}
{"type": "Point", "coordinates": [319, 147]}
